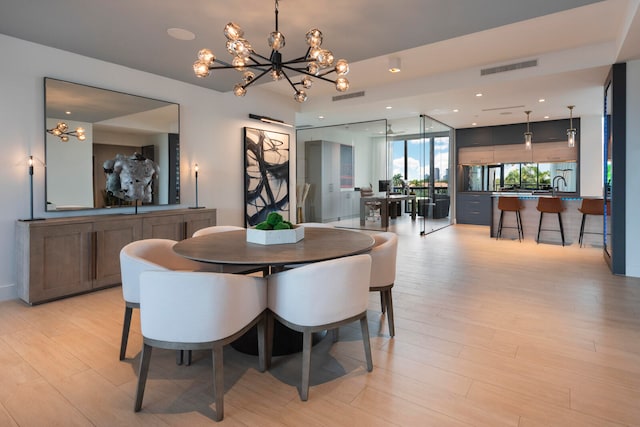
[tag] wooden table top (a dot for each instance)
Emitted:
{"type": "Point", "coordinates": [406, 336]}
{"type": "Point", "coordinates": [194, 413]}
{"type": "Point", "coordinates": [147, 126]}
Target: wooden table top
{"type": "Point", "coordinates": [231, 247]}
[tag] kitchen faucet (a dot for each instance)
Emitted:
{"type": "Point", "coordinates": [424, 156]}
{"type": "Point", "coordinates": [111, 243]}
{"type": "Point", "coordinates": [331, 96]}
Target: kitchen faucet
{"type": "Point", "coordinates": [554, 186]}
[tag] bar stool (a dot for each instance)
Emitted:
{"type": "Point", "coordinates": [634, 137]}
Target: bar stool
{"type": "Point", "coordinates": [590, 207]}
{"type": "Point", "coordinates": [510, 204]}
{"type": "Point", "coordinates": [550, 205]}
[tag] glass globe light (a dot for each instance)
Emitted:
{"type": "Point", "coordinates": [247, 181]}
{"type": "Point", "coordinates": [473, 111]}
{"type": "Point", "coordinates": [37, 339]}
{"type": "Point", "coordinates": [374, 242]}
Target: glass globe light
{"type": "Point", "coordinates": [82, 137]}
{"type": "Point", "coordinates": [248, 76]}
{"type": "Point", "coordinates": [314, 37]}
{"type": "Point", "coordinates": [276, 40]}
{"type": "Point", "coordinates": [56, 132]}
{"type": "Point", "coordinates": [239, 63]}
{"type": "Point", "coordinates": [239, 90]}
{"type": "Point", "coordinates": [64, 138]}
{"type": "Point", "coordinates": [325, 58]}
{"type": "Point", "coordinates": [62, 126]}
{"type": "Point", "coordinates": [306, 82]}
{"type": "Point", "coordinates": [276, 75]}
{"type": "Point", "coordinates": [342, 67]}
{"type": "Point", "coordinates": [242, 48]}
{"type": "Point", "coordinates": [201, 69]}
{"type": "Point", "coordinates": [232, 31]}
{"type": "Point", "coordinates": [314, 52]}
{"type": "Point", "coordinates": [313, 68]}
{"type": "Point", "coordinates": [300, 96]}
{"type": "Point", "coordinates": [206, 56]}
{"type": "Point", "coordinates": [342, 84]}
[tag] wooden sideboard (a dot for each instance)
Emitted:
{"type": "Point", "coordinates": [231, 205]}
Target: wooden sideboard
{"type": "Point", "coordinates": [60, 257]}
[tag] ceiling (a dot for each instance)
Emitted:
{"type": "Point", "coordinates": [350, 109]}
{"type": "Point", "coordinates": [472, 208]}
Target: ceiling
{"type": "Point", "coordinates": [442, 44]}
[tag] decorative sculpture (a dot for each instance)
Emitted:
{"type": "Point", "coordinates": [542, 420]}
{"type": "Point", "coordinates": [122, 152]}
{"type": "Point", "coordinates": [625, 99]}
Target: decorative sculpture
{"type": "Point", "coordinates": [130, 178]}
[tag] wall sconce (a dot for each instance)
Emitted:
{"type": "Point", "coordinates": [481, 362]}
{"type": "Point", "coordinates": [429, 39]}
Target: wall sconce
{"type": "Point", "coordinates": [527, 135]}
{"type": "Point", "coordinates": [196, 174]}
{"type": "Point", "coordinates": [394, 65]}
{"type": "Point", "coordinates": [265, 119]}
{"type": "Point", "coordinates": [571, 132]}
{"type": "Point", "coordinates": [62, 131]}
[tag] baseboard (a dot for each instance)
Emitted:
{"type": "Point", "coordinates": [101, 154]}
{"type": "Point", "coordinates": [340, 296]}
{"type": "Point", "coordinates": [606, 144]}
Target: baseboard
{"type": "Point", "coordinates": [8, 292]}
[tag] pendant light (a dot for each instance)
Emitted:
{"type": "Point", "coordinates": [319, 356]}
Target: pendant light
{"type": "Point", "coordinates": [527, 135]}
{"type": "Point", "coordinates": [571, 133]}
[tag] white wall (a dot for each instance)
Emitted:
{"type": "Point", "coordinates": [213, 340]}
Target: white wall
{"type": "Point", "coordinates": [591, 152]}
{"type": "Point", "coordinates": [633, 172]}
{"type": "Point", "coordinates": [211, 133]}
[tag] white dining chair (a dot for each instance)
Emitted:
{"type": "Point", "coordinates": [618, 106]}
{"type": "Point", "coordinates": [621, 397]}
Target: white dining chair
{"type": "Point", "coordinates": [320, 296]}
{"type": "Point", "coordinates": [235, 269]}
{"type": "Point", "coordinates": [199, 311]}
{"type": "Point", "coordinates": [383, 272]}
{"type": "Point", "coordinates": [145, 255]}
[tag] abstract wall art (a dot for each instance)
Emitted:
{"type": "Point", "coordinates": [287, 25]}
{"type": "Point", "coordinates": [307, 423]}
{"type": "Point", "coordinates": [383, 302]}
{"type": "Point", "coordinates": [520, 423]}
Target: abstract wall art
{"type": "Point", "coordinates": [266, 176]}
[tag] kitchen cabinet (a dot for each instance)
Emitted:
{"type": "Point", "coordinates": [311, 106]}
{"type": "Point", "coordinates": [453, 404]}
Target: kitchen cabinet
{"type": "Point", "coordinates": [473, 208]}
{"type": "Point", "coordinates": [475, 155]}
{"type": "Point", "coordinates": [512, 153]}
{"type": "Point", "coordinates": [323, 203]}
{"type": "Point", "coordinates": [60, 257]}
{"type": "Point", "coordinates": [553, 152]}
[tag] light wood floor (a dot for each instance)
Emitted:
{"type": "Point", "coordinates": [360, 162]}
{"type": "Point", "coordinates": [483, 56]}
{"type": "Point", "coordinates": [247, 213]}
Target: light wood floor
{"type": "Point", "coordinates": [488, 333]}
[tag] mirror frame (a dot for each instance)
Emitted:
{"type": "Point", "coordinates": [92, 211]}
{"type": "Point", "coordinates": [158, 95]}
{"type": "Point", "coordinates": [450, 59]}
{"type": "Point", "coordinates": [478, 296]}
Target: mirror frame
{"type": "Point", "coordinates": [109, 115]}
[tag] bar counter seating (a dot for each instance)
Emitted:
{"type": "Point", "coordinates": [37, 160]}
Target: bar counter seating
{"type": "Point", "coordinates": [510, 204]}
{"type": "Point", "coordinates": [591, 207]}
{"type": "Point", "coordinates": [550, 205]}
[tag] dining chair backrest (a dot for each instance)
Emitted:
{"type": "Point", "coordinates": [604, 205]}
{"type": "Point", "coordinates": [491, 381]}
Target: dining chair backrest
{"type": "Point", "coordinates": [383, 259]}
{"type": "Point", "coordinates": [145, 255]}
{"type": "Point", "coordinates": [198, 307]}
{"type": "Point", "coordinates": [216, 229]}
{"type": "Point", "coordinates": [322, 292]}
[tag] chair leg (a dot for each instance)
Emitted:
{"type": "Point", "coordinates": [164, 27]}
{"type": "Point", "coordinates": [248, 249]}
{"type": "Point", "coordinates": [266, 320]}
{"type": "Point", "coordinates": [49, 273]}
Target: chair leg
{"type": "Point", "coordinates": [539, 227]}
{"type": "Point", "coordinates": [584, 217]}
{"type": "Point", "coordinates": [382, 302]}
{"type": "Point", "coordinates": [126, 325]}
{"type": "Point", "coordinates": [218, 381]}
{"type": "Point", "coordinates": [306, 365]}
{"type": "Point", "coordinates": [499, 233]}
{"type": "Point", "coordinates": [142, 375]}
{"type": "Point", "coordinates": [367, 342]}
{"type": "Point", "coordinates": [519, 225]}
{"type": "Point", "coordinates": [335, 334]}
{"type": "Point", "coordinates": [389, 303]}
{"type": "Point", "coordinates": [268, 344]}
{"type": "Point", "coordinates": [262, 331]}
{"type": "Point", "coordinates": [561, 228]}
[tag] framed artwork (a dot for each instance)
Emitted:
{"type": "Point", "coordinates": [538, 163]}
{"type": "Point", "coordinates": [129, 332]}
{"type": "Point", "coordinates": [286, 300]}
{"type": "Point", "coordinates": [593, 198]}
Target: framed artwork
{"type": "Point", "coordinates": [266, 174]}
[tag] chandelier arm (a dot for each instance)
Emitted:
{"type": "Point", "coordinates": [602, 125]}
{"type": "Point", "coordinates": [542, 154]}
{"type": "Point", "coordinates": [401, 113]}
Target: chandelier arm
{"type": "Point", "coordinates": [289, 80]}
{"type": "Point", "coordinates": [255, 79]}
{"type": "Point", "coordinates": [303, 71]}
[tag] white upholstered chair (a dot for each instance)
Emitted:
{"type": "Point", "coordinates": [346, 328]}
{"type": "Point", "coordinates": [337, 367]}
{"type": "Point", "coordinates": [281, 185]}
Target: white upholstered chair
{"type": "Point", "coordinates": [144, 255]}
{"type": "Point", "coordinates": [383, 272]}
{"type": "Point", "coordinates": [235, 269]}
{"type": "Point", "coordinates": [319, 296]}
{"type": "Point", "coordinates": [196, 311]}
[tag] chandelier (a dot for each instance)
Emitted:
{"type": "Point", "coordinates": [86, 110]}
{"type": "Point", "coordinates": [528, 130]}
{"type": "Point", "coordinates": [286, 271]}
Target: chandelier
{"type": "Point", "coordinates": [316, 62]}
{"type": "Point", "coordinates": [62, 131]}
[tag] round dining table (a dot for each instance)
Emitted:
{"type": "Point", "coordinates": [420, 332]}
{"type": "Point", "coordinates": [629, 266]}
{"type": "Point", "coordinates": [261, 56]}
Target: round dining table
{"type": "Point", "coordinates": [231, 247]}
{"type": "Point", "coordinates": [318, 244]}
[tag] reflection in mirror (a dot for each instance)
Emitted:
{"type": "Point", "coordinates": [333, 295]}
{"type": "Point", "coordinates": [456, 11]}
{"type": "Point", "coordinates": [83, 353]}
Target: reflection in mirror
{"type": "Point", "coordinates": [113, 124]}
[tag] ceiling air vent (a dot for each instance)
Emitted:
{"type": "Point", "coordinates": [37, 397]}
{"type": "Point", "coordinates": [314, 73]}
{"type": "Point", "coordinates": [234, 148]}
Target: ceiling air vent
{"type": "Point", "coordinates": [348, 96]}
{"type": "Point", "coordinates": [509, 67]}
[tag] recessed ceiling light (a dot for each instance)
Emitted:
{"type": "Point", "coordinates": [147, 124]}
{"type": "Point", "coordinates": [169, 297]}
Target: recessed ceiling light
{"type": "Point", "coordinates": [321, 117]}
{"type": "Point", "coordinates": [541, 100]}
{"type": "Point", "coordinates": [388, 107]}
{"type": "Point", "coordinates": [455, 110]}
{"type": "Point", "coordinates": [474, 124]}
{"type": "Point", "coordinates": [478, 94]}
{"type": "Point", "coordinates": [546, 117]}
{"type": "Point", "coordinates": [67, 112]}
{"type": "Point", "coordinates": [181, 34]}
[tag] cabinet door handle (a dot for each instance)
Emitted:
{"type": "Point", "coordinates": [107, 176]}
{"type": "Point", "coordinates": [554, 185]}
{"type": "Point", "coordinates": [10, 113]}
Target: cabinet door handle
{"type": "Point", "coordinates": [94, 255]}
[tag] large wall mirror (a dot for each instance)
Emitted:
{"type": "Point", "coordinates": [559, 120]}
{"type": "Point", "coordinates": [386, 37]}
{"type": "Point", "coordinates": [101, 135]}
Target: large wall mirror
{"type": "Point", "coordinates": [102, 125]}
